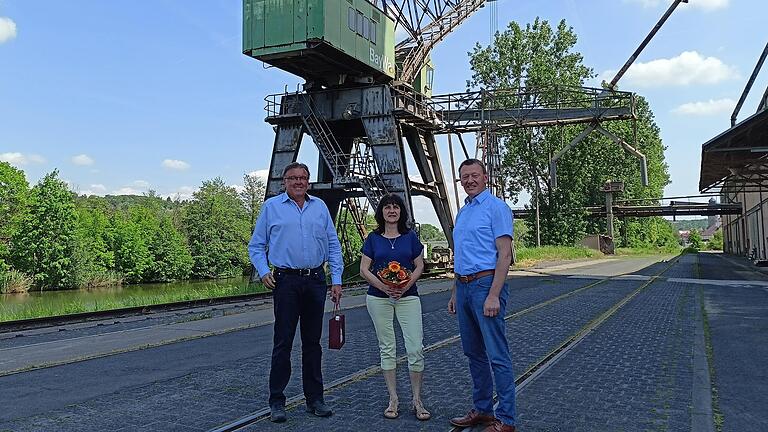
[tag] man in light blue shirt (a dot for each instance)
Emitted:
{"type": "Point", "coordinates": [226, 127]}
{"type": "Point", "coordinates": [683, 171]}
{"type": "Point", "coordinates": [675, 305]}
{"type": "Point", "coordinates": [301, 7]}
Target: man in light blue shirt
{"type": "Point", "coordinates": [483, 241]}
{"type": "Point", "coordinates": [295, 233]}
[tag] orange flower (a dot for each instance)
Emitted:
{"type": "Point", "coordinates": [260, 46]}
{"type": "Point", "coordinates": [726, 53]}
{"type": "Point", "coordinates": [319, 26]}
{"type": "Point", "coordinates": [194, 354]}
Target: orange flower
{"type": "Point", "coordinates": [402, 275]}
{"type": "Point", "coordinates": [393, 266]}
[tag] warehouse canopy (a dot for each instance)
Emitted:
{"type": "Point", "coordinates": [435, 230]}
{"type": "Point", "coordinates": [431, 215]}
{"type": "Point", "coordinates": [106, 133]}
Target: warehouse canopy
{"type": "Point", "coordinates": [737, 155]}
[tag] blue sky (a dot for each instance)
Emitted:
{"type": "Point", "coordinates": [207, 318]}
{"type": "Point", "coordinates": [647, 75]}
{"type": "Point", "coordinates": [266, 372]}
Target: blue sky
{"type": "Point", "coordinates": [125, 96]}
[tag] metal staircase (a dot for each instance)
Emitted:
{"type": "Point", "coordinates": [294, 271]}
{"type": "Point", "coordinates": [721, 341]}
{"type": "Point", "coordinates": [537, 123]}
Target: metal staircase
{"type": "Point", "coordinates": [326, 143]}
{"type": "Point", "coordinates": [349, 169]}
{"type": "Point", "coordinates": [363, 167]}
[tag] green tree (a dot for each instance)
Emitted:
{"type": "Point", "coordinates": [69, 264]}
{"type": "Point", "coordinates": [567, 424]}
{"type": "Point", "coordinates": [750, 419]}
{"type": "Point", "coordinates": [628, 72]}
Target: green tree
{"type": "Point", "coordinates": [429, 232]}
{"type": "Point", "coordinates": [252, 196]}
{"type": "Point", "coordinates": [93, 256]}
{"type": "Point", "coordinates": [541, 61]}
{"type": "Point", "coordinates": [717, 240]}
{"type": "Point", "coordinates": [130, 245]}
{"type": "Point", "coordinates": [44, 244]}
{"type": "Point", "coordinates": [14, 190]}
{"type": "Point", "coordinates": [172, 260]}
{"type": "Point", "coordinates": [217, 228]}
{"type": "Point", "coordinates": [522, 233]}
{"type": "Point", "coordinates": [694, 239]}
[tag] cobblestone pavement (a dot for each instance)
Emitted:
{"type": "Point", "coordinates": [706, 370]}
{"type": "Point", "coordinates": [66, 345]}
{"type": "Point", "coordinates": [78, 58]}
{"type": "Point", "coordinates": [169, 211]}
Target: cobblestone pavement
{"type": "Point", "coordinates": [634, 372]}
{"type": "Point", "coordinates": [738, 334]}
{"type": "Point", "coordinates": [447, 381]}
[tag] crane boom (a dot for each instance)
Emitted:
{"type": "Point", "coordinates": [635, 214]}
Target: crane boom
{"type": "Point", "coordinates": [426, 23]}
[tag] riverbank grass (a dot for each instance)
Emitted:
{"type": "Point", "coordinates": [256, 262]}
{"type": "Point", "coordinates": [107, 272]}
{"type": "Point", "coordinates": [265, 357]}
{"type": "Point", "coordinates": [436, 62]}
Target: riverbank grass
{"type": "Point", "coordinates": [14, 282]}
{"type": "Point", "coordinates": [529, 257]}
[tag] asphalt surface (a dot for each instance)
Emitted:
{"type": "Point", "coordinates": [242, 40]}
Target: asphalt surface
{"type": "Point", "coordinates": [645, 367]}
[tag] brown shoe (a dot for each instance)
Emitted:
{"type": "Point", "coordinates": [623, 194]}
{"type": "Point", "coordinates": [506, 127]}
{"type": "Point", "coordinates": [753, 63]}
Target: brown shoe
{"type": "Point", "coordinates": [473, 418]}
{"type": "Point", "coordinates": [498, 426]}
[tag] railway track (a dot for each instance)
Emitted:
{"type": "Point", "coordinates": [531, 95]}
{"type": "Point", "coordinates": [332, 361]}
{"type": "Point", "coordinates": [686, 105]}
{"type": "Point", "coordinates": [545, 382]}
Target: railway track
{"type": "Point", "coordinates": [567, 345]}
{"type": "Point", "coordinates": [528, 376]}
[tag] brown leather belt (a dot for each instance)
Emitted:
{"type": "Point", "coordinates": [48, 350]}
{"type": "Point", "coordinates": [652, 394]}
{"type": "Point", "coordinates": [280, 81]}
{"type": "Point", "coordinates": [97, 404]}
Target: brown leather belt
{"type": "Point", "coordinates": [469, 278]}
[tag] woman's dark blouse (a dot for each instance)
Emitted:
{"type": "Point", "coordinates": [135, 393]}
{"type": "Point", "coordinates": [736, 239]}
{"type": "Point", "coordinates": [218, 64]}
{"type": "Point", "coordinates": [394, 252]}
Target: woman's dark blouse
{"type": "Point", "coordinates": [378, 248]}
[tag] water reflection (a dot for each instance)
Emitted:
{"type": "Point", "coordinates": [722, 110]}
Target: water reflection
{"type": "Point", "coordinates": [138, 294]}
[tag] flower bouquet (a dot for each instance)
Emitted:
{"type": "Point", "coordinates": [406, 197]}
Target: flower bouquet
{"type": "Point", "coordinates": [394, 275]}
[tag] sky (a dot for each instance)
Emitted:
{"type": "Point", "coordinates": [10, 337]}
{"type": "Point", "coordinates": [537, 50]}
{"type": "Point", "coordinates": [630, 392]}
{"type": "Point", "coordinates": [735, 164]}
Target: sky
{"type": "Point", "coordinates": [126, 96]}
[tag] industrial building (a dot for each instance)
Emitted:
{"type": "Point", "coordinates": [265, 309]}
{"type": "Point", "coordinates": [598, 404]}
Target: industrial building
{"type": "Point", "coordinates": [735, 163]}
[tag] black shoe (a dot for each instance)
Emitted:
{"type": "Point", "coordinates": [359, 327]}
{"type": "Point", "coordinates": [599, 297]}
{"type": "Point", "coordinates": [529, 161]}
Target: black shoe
{"type": "Point", "coordinates": [277, 414]}
{"type": "Point", "coordinates": [319, 408]}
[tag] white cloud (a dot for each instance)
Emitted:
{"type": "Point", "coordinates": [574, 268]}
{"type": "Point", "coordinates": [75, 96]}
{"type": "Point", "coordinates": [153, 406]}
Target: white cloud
{"type": "Point", "coordinates": [710, 107]}
{"type": "Point", "coordinates": [141, 184]}
{"type": "Point", "coordinates": [688, 68]}
{"type": "Point", "coordinates": [182, 193]}
{"type": "Point", "coordinates": [126, 191]}
{"type": "Point", "coordinates": [7, 29]}
{"type": "Point", "coordinates": [262, 174]}
{"type": "Point", "coordinates": [705, 5]}
{"type": "Point", "coordinates": [82, 159]}
{"type": "Point", "coordinates": [19, 159]}
{"type": "Point", "coordinates": [174, 164]}
{"type": "Point", "coordinates": [94, 189]}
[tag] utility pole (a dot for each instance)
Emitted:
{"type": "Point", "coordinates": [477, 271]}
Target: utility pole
{"type": "Point", "coordinates": [538, 215]}
{"type": "Point", "coordinates": [609, 213]}
{"type": "Point", "coordinates": [611, 187]}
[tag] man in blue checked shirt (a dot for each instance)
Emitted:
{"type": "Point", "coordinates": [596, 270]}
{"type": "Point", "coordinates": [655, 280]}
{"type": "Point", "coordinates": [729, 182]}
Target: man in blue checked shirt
{"type": "Point", "coordinates": [295, 233]}
{"type": "Point", "coordinates": [483, 241]}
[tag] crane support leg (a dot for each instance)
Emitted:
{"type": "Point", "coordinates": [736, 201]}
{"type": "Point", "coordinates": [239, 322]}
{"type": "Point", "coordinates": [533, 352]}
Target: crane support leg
{"type": "Point", "coordinates": [424, 150]}
{"type": "Point", "coordinates": [384, 139]}
{"type": "Point", "coordinates": [285, 151]}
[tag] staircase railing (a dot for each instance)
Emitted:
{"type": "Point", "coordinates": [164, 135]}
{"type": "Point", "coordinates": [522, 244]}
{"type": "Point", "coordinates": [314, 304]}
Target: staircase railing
{"type": "Point", "coordinates": [326, 143]}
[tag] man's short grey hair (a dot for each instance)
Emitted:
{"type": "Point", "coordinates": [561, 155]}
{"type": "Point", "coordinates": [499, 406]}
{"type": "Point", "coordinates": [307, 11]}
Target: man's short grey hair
{"type": "Point", "coordinates": [293, 165]}
{"type": "Point", "coordinates": [472, 161]}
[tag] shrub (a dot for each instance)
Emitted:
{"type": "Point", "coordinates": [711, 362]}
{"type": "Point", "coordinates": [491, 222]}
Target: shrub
{"type": "Point", "coordinates": [14, 282]}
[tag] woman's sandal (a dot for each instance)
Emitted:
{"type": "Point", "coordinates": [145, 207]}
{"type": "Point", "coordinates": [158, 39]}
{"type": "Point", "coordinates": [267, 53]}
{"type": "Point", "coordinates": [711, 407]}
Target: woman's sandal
{"type": "Point", "coordinates": [391, 411]}
{"type": "Point", "coordinates": [421, 413]}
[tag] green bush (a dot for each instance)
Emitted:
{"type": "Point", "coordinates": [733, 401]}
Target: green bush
{"type": "Point", "coordinates": [14, 282]}
{"type": "Point", "coordinates": [717, 241]}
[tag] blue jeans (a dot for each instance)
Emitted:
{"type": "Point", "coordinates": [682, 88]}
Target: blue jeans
{"type": "Point", "coordinates": [297, 300]}
{"type": "Point", "coordinates": [485, 345]}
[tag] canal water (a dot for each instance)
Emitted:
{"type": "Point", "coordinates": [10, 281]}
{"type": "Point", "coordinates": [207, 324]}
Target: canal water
{"type": "Point", "coordinates": [82, 300]}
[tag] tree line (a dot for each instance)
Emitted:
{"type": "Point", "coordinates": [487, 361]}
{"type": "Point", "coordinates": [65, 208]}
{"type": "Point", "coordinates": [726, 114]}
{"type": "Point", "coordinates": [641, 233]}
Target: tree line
{"type": "Point", "coordinates": [51, 238]}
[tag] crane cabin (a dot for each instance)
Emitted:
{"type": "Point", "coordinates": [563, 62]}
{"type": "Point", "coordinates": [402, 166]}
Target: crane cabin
{"type": "Point", "coordinates": [326, 42]}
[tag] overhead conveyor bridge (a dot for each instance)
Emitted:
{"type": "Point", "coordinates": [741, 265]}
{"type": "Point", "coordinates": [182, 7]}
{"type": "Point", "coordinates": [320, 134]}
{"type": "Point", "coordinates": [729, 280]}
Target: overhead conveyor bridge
{"type": "Point", "coordinates": [690, 209]}
{"type": "Point", "coordinates": [505, 109]}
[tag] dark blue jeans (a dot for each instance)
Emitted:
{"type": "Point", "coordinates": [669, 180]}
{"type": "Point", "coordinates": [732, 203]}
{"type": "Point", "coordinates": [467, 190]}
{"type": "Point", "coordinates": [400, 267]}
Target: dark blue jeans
{"type": "Point", "coordinates": [298, 299]}
{"type": "Point", "coordinates": [485, 345]}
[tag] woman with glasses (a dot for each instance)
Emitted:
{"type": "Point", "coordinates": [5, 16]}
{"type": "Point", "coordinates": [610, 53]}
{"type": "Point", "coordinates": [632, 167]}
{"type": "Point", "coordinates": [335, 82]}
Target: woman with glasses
{"type": "Point", "coordinates": [393, 249]}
